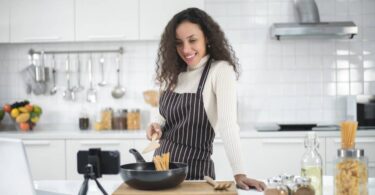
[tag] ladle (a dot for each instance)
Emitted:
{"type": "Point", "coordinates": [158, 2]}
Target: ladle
{"type": "Point", "coordinates": [54, 87]}
{"type": "Point", "coordinates": [91, 92]}
{"type": "Point", "coordinates": [118, 91]}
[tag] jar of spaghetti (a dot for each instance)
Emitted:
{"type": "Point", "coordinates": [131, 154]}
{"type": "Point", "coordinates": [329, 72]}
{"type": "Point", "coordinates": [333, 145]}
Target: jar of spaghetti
{"type": "Point", "coordinates": [351, 172]}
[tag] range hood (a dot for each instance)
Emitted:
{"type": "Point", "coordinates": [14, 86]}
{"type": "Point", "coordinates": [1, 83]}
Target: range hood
{"type": "Point", "coordinates": [309, 25]}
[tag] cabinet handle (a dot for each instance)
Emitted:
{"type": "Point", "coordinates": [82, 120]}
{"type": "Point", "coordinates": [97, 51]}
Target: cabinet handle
{"type": "Point", "coordinates": [51, 38]}
{"type": "Point", "coordinates": [106, 37]}
{"type": "Point", "coordinates": [369, 140]}
{"type": "Point", "coordinates": [100, 143]}
{"type": "Point", "coordinates": [37, 143]}
{"type": "Point", "coordinates": [371, 165]}
{"type": "Point", "coordinates": [218, 141]}
{"type": "Point", "coordinates": [282, 141]}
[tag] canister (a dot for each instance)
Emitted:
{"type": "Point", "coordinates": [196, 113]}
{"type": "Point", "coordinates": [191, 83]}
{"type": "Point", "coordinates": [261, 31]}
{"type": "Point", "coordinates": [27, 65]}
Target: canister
{"type": "Point", "coordinates": [351, 172]}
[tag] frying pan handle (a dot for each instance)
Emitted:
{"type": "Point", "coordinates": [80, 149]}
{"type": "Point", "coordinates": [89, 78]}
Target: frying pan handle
{"type": "Point", "coordinates": [137, 155]}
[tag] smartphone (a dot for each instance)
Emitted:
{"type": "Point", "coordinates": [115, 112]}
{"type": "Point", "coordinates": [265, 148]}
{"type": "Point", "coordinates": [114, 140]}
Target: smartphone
{"type": "Point", "coordinates": [109, 160]}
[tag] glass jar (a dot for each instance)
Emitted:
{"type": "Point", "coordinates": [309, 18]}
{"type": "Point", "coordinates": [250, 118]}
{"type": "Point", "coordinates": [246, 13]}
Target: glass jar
{"type": "Point", "coordinates": [288, 181]}
{"type": "Point", "coordinates": [351, 172]}
{"type": "Point", "coordinates": [107, 119]}
{"type": "Point", "coordinates": [118, 120]}
{"type": "Point", "coordinates": [275, 187]}
{"type": "Point", "coordinates": [125, 119]}
{"type": "Point", "coordinates": [302, 186]}
{"type": "Point", "coordinates": [84, 121]}
{"type": "Point", "coordinates": [134, 119]}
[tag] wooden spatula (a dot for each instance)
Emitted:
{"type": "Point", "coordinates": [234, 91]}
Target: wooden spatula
{"type": "Point", "coordinates": [153, 145]}
{"type": "Point", "coordinates": [216, 185]}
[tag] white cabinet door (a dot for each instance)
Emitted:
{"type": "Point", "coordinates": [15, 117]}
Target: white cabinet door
{"type": "Point", "coordinates": [42, 20]}
{"type": "Point", "coordinates": [46, 158]}
{"type": "Point", "coordinates": [155, 14]}
{"type": "Point", "coordinates": [223, 170]}
{"type": "Point", "coordinates": [73, 146]}
{"type": "Point", "coordinates": [98, 20]}
{"type": "Point", "coordinates": [4, 21]}
{"type": "Point", "coordinates": [268, 157]}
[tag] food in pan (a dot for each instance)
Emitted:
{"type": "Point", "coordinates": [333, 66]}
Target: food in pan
{"type": "Point", "coordinates": [162, 162]}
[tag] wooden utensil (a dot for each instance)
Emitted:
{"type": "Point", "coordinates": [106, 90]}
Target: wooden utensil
{"type": "Point", "coordinates": [216, 185]}
{"type": "Point", "coordinates": [153, 145]}
{"type": "Point", "coordinates": [186, 187]}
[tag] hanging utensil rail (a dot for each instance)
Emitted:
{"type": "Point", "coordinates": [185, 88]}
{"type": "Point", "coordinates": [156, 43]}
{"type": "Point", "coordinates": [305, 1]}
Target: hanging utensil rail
{"type": "Point", "coordinates": [120, 51]}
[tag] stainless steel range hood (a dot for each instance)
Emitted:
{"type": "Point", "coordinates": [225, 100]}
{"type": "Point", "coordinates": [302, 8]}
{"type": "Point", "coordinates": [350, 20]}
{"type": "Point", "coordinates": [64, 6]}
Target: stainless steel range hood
{"type": "Point", "coordinates": [309, 25]}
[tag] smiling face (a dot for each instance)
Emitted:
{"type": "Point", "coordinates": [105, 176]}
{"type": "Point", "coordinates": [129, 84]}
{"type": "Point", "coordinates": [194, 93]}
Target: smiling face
{"type": "Point", "coordinates": [190, 43]}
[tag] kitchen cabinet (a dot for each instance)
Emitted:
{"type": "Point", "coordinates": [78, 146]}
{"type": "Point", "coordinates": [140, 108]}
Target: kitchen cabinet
{"type": "Point", "coordinates": [42, 20]}
{"type": "Point", "coordinates": [366, 143]}
{"type": "Point", "coordinates": [46, 158]}
{"type": "Point", "coordinates": [98, 20]}
{"type": "Point", "coordinates": [73, 146]}
{"type": "Point", "coordinates": [155, 14]}
{"type": "Point", "coordinates": [268, 157]}
{"type": "Point", "coordinates": [4, 21]}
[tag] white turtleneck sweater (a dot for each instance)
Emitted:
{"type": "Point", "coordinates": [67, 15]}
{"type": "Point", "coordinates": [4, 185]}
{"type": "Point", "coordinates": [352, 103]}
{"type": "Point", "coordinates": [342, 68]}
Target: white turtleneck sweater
{"type": "Point", "coordinates": [220, 104]}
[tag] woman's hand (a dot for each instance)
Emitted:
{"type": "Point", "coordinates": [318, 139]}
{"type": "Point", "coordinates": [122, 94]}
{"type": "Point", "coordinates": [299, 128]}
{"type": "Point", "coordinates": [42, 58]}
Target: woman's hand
{"type": "Point", "coordinates": [246, 183]}
{"type": "Point", "coordinates": [153, 128]}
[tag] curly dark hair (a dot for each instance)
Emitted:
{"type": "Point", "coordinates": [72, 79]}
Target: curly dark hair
{"type": "Point", "coordinates": [169, 63]}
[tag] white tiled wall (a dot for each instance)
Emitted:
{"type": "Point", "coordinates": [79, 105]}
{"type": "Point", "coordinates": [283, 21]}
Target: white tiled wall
{"type": "Point", "coordinates": [284, 81]}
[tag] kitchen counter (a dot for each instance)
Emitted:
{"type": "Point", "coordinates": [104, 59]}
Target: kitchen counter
{"type": "Point", "coordinates": [71, 131]}
{"type": "Point", "coordinates": [72, 186]}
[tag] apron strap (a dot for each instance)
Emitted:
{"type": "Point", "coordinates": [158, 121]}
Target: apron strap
{"type": "Point", "coordinates": [202, 81]}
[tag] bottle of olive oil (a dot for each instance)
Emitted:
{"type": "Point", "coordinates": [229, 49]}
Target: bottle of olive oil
{"type": "Point", "coordinates": [311, 163]}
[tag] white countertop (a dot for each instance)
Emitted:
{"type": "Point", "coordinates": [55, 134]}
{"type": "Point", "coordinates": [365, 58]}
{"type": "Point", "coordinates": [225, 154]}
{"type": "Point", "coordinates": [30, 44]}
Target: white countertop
{"type": "Point", "coordinates": [73, 186]}
{"type": "Point", "coordinates": [71, 131]}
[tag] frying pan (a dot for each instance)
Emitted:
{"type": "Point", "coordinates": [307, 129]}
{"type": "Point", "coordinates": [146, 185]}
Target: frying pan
{"type": "Point", "coordinates": [142, 175]}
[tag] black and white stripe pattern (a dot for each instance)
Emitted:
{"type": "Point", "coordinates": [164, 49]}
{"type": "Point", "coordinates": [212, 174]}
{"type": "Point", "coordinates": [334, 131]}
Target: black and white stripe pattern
{"type": "Point", "coordinates": [187, 133]}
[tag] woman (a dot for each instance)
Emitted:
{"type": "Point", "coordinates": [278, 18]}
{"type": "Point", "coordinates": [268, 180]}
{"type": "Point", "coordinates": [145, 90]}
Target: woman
{"type": "Point", "coordinates": [197, 69]}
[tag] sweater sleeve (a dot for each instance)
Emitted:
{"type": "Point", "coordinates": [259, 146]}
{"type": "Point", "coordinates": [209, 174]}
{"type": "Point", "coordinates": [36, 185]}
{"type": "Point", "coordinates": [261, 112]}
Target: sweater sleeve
{"type": "Point", "coordinates": [226, 95]}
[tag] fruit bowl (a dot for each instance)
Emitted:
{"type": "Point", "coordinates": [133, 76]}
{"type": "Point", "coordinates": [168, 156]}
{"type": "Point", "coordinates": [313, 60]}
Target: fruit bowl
{"type": "Point", "coordinates": [23, 114]}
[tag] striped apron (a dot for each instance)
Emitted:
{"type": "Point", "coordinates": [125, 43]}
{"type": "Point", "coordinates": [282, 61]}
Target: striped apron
{"type": "Point", "coordinates": [187, 133]}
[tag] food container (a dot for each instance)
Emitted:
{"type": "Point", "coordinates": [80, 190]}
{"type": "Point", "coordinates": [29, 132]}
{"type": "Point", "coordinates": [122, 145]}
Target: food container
{"type": "Point", "coordinates": [275, 187]}
{"type": "Point", "coordinates": [302, 186]}
{"type": "Point", "coordinates": [351, 172]}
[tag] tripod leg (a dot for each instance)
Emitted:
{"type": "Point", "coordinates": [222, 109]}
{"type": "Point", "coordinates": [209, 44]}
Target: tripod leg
{"type": "Point", "coordinates": [84, 187]}
{"type": "Point", "coordinates": [100, 187]}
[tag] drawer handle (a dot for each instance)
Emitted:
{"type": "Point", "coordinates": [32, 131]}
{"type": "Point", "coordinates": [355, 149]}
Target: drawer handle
{"type": "Point", "coordinates": [37, 143]}
{"type": "Point", "coordinates": [108, 37]}
{"type": "Point", "coordinates": [51, 38]}
{"type": "Point", "coordinates": [282, 141]}
{"type": "Point", "coordinates": [219, 141]}
{"type": "Point", "coordinates": [100, 143]}
{"type": "Point", "coordinates": [365, 141]}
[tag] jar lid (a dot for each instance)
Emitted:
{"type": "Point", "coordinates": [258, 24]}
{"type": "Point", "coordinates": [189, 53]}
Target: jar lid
{"type": "Point", "coordinates": [302, 180]}
{"type": "Point", "coordinates": [274, 180]}
{"type": "Point", "coordinates": [350, 153]}
{"type": "Point", "coordinates": [287, 177]}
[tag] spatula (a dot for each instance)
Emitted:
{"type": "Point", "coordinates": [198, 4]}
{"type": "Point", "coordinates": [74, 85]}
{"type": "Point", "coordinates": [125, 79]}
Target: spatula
{"type": "Point", "coordinates": [153, 145]}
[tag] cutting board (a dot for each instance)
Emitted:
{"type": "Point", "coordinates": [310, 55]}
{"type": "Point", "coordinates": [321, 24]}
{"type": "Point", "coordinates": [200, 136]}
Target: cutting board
{"type": "Point", "coordinates": [186, 187]}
